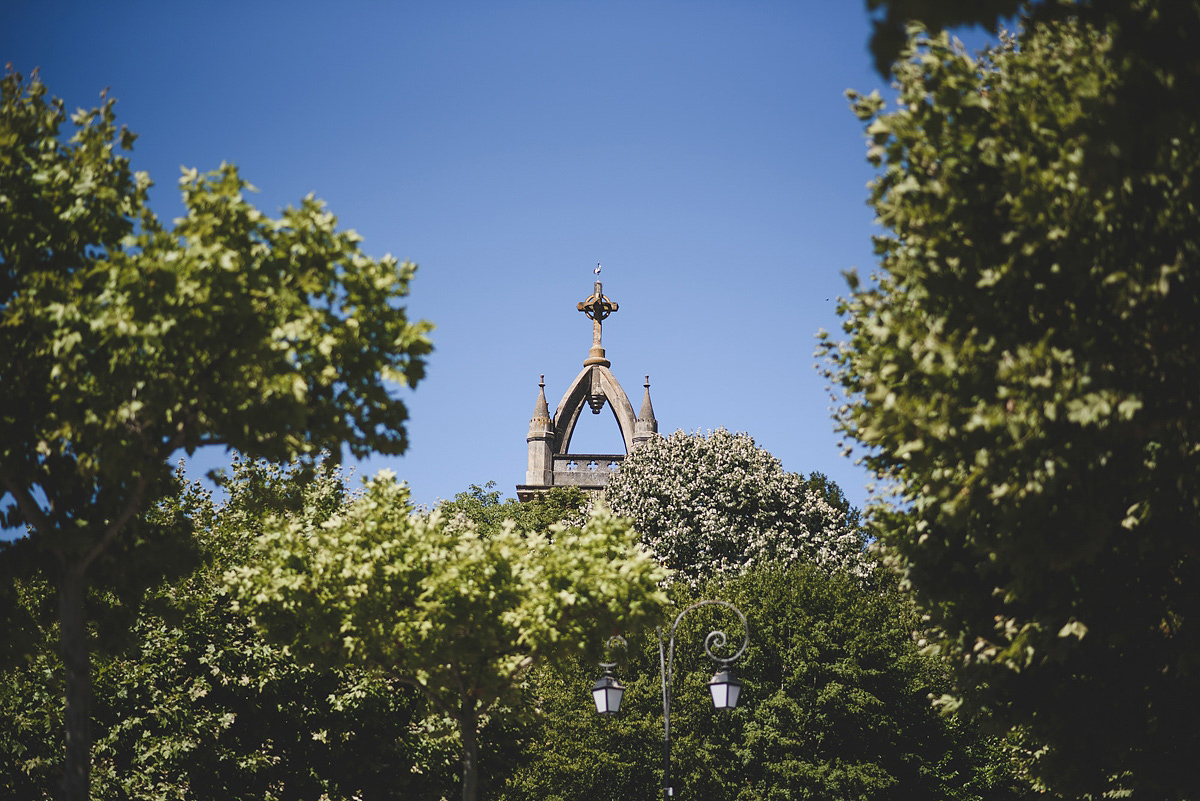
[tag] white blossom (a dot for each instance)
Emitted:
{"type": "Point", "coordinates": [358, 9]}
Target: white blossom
{"type": "Point", "coordinates": [718, 504]}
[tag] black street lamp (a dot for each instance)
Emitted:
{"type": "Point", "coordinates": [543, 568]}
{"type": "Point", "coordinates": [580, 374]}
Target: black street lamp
{"type": "Point", "coordinates": [726, 690]}
{"type": "Point", "coordinates": [607, 691]}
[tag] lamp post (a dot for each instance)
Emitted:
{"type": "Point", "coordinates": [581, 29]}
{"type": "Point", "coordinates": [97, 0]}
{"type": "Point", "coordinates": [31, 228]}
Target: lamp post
{"type": "Point", "coordinates": [726, 690]}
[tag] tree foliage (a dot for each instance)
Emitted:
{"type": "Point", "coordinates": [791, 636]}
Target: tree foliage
{"type": "Point", "coordinates": [1024, 371]}
{"type": "Point", "coordinates": [194, 704]}
{"type": "Point", "coordinates": [720, 504]}
{"type": "Point", "coordinates": [458, 614]}
{"type": "Point", "coordinates": [1153, 37]}
{"type": "Point", "coordinates": [891, 18]}
{"type": "Point", "coordinates": [123, 341]}
{"type": "Point", "coordinates": [836, 704]}
{"type": "Point", "coordinates": [488, 514]}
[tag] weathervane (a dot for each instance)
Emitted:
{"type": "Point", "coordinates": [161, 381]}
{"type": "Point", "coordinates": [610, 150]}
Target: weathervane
{"type": "Point", "coordinates": [597, 307]}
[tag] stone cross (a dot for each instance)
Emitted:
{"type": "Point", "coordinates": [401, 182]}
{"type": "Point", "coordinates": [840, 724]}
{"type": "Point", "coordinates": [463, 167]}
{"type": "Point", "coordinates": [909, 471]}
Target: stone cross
{"type": "Point", "coordinates": [597, 307]}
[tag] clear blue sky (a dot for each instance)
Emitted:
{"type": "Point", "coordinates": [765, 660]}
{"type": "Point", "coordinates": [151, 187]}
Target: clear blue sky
{"type": "Point", "coordinates": [703, 152]}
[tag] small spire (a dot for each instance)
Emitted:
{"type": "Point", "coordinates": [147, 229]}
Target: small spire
{"type": "Point", "coordinates": [646, 426]}
{"type": "Point", "coordinates": [647, 412]}
{"type": "Point", "coordinates": [540, 424]}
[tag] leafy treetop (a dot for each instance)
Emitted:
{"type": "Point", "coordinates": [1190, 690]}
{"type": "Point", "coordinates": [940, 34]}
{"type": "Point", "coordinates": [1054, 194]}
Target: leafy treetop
{"type": "Point", "coordinates": [484, 509]}
{"type": "Point", "coordinates": [1024, 371]}
{"type": "Point", "coordinates": [123, 342]}
{"type": "Point", "coordinates": [460, 614]}
{"type": "Point", "coordinates": [192, 670]}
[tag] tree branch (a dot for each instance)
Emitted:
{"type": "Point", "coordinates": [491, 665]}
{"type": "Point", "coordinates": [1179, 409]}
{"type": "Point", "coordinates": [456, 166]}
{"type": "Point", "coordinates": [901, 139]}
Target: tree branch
{"type": "Point", "coordinates": [114, 528]}
{"type": "Point", "coordinates": [429, 694]}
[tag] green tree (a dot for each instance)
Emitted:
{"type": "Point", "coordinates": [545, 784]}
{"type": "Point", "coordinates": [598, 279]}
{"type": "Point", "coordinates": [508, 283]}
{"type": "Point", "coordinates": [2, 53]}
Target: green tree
{"type": "Point", "coordinates": [720, 504]}
{"type": "Point", "coordinates": [1024, 372]}
{"type": "Point", "coordinates": [1154, 37]}
{"type": "Point", "coordinates": [836, 704]}
{"type": "Point", "coordinates": [460, 615]}
{"type": "Point", "coordinates": [196, 705]}
{"type": "Point", "coordinates": [483, 507]}
{"type": "Point", "coordinates": [888, 35]}
{"type": "Point", "coordinates": [123, 342]}
{"type": "Point", "coordinates": [505, 738]}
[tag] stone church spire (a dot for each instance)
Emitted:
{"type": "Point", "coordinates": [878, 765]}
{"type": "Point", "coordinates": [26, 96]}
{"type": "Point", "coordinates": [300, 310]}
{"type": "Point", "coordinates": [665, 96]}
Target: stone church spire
{"type": "Point", "coordinates": [551, 462]}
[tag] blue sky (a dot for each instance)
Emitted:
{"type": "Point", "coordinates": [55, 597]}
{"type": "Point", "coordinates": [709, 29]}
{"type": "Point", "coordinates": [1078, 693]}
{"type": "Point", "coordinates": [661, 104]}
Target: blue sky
{"type": "Point", "coordinates": [703, 152]}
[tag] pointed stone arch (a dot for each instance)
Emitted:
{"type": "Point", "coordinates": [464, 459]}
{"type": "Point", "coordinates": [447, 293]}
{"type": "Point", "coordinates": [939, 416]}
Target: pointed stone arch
{"type": "Point", "coordinates": [594, 386]}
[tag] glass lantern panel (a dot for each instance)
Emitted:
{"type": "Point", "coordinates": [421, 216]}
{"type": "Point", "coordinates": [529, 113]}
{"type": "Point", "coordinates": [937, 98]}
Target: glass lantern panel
{"type": "Point", "coordinates": [725, 693]}
{"type": "Point", "coordinates": [614, 699]}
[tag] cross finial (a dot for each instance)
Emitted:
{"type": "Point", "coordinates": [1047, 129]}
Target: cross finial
{"type": "Point", "coordinates": [597, 307]}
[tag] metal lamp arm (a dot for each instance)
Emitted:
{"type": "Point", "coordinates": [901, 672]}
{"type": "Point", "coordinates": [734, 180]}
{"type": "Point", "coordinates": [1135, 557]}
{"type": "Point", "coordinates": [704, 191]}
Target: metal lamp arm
{"type": "Point", "coordinates": [715, 639]}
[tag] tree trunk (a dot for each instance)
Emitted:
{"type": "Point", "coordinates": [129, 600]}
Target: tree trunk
{"type": "Point", "coordinates": [468, 724]}
{"type": "Point", "coordinates": [76, 779]}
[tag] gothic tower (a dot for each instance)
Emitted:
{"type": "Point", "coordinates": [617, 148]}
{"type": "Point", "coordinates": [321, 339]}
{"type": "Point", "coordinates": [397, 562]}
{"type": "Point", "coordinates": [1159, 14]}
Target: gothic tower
{"type": "Point", "coordinates": [551, 464]}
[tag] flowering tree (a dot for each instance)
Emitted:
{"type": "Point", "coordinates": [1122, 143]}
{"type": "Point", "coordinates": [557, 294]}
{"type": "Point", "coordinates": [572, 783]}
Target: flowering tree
{"type": "Point", "coordinates": [720, 504]}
